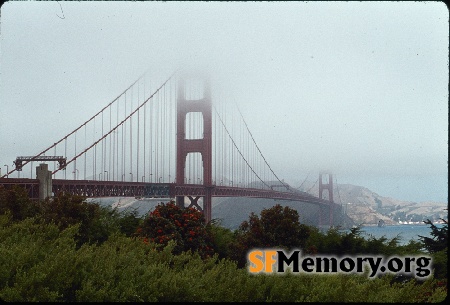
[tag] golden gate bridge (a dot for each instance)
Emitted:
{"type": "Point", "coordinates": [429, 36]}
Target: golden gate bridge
{"type": "Point", "coordinates": [162, 137]}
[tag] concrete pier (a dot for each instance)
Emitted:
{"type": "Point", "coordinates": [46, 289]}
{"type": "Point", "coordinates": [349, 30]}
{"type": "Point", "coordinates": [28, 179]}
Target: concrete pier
{"type": "Point", "coordinates": [45, 181]}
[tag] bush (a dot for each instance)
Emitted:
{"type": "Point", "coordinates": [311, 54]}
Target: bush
{"type": "Point", "coordinates": [96, 222]}
{"type": "Point", "coordinates": [278, 227]}
{"type": "Point", "coordinates": [439, 239]}
{"type": "Point", "coordinates": [17, 202]}
{"type": "Point", "coordinates": [40, 263]}
{"type": "Point", "coordinates": [185, 226]}
{"type": "Point", "coordinates": [222, 238]}
{"type": "Point", "coordinates": [437, 245]}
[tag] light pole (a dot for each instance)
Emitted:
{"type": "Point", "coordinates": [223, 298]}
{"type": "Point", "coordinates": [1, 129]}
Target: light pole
{"type": "Point", "coordinates": [131, 177]}
{"type": "Point", "coordinates": [7, 169]}
{"type": "Point", "coordinates": [100, 176]}
{"type": "Point", "coordinates": [159, 179]}
{"type": "Point", "coordinates": [123, 177]}
{"type": "Point", "coordinates": [107, 175]}
{"type": "Point", "coordinates": [151, 178]}
{"type": "Point", "coordinates": [143, 178]}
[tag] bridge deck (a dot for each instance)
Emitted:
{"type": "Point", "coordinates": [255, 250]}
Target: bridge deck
{"type": "Point", "coordinates": [95, 189]}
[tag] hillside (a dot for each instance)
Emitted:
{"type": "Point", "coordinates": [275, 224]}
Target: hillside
{"type": "Point", "coordinates": [367, 207]}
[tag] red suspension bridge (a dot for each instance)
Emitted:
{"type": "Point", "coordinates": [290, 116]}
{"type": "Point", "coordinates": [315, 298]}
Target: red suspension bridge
{"type": "Point", "coordinates": [161, 138]}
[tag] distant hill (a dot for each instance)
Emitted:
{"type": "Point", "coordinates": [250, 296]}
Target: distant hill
{"type": "Point", "coordinates": [367, 207]}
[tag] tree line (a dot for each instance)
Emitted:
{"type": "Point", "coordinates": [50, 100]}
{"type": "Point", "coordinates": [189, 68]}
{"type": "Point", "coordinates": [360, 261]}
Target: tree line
{"type": "Point", "coordinates": [68, 249]}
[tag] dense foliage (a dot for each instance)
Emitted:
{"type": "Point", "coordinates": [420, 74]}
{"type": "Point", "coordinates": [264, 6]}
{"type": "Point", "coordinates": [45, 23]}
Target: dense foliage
{"type": "Point", "coordinates": [437, 245]}
{"type": "Point", "coordinates": [96, 222]}
{"type": "Point", "coordinates": [66, 249]}
{"type": "Point", "coordinates": [278, 227]}
{"type": "Point", "coordinates": [168, 222]}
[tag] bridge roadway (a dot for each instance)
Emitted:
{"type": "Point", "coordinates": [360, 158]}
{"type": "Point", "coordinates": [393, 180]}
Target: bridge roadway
{"type": "Point", "coordinates": [97, 189]}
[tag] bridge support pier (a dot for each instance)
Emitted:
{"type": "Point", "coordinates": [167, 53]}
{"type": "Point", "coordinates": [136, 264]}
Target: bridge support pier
{"type": "Point", "coordinates": [202, 145]}
{"type": "Point", "coordinates": [329, 187]}
{"type": "Point", "coordinates": [45, 181]}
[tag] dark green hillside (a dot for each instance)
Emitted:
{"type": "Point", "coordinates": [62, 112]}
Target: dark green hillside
{"type": "Point", "coordinates": [233, 211]}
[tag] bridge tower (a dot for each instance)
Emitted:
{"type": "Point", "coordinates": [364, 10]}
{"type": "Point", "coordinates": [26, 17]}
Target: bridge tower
{"type": "Point", "coordinates": [329, 187]}
{"type": "Point", "coordinates": [202, 146]}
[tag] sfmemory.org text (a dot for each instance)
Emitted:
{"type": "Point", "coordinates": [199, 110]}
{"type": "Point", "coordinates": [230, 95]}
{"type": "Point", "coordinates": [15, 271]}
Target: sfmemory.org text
{"type": "Point", "coordinates": [277, 261]}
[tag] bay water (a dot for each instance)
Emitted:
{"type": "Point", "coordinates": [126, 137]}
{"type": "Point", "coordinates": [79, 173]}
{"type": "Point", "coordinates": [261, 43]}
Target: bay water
{"type": "Point", "coordinates": [405, 232]}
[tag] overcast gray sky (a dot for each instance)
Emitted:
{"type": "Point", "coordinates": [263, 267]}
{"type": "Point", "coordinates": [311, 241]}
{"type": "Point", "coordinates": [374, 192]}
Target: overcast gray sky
{"type": "Point", "coordinates": [358, 88]}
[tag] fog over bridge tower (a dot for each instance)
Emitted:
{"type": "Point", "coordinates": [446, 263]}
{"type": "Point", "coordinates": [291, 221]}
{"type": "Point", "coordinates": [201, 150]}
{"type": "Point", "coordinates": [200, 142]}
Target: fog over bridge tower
{"type": "Point", "coordinates": [202, 145]}
{"type": "Point", "coordinates": [326, 185]}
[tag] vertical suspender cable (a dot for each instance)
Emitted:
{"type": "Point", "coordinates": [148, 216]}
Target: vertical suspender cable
{"type": "Point", "coordinates": [169, 136]}
{"type": "Point", "coordinates": [131, 137]}
{"type": "Point", "coordinates": [94, 161]}
{"type": "Point", "coordinates": [85, 155]}
{"type": "Point", "coordinates": [137, 147]}
{"type": "Point", "coordinates": [152, 130]}
{"type": "Point", "coordinates": [54, 163]}
{"type": "Point", "coordinates": [156, 136]}
{"type": "Point", "coordinates": [223, 150]}
{"type": "Point", "coordinates": [145, 128]}
{"type": "Point", "coordinates": [117, 145]}
{"type": "Point", "coordinates": [232, 152]}
{"type": "Point", "coordinates": [75, 163]}
{"type": "Point", "coordinates": [110, 148]}
{"type": "Point", "coordinates": [161, 174]}
{"type": "Point", "coordinates": [152, 138]}
{"type": "Point", "coordinates": [215, 149]}
{"type": "Point", "coordinates": [163, 133]}
{"type": "Point", "coordinates": [103, 152]}
{"type": "Point", "coordinates": [124, 142]}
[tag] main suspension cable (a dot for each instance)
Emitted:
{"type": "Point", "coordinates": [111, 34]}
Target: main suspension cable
{"type": "Point", "coordinates": [251, 135]}
{"type": "Point", "coordinates": [232, 140]}
{"type": "Point", "coordinates": [122, 122]}
{"type": "Point", "coordinates": [78, 128]}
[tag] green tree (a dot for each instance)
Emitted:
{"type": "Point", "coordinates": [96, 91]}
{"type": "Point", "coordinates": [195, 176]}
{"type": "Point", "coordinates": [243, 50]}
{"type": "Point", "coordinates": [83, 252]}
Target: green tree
{"type": "Point", "coordinates": [17, 202]}
{"type": "Point", "coordinates": [439, 239]}
{"type": "Point", "coordinates": [222, 238]}
{"type": "Point", "coordinates": [66, 210]}
{"type": "Point", "coordinates": [437, 246]}
{"type": "Point", "coordinates": [185, 226]}
{"type": "Point", "coordinates": [278, 227]}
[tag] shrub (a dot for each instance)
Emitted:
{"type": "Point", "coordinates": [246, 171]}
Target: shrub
{"type": "Point", "coordinates": [41, 263]}
{"type": "Point", "coordinates": [222, 238]}
{"type": "Point", "coordinates": [437, 245]}
{"type": "Point", "coordinates": [16, 201]}
{"type": "Point", "coordinates": [185, 226]}
{"type": "Point", "coordinates": [278, 227]}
